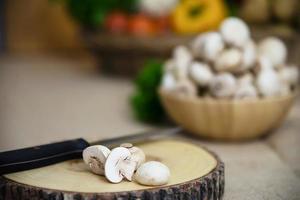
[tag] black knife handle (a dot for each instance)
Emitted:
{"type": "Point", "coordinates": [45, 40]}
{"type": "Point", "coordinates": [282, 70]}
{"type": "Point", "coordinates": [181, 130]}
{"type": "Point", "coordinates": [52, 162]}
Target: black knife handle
{"type": "Point", "coordinates": [39, 156]}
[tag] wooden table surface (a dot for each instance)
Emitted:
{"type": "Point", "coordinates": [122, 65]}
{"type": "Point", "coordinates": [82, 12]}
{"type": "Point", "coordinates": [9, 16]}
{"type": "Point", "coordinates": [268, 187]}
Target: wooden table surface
{"type": "Point", "coordinates": [45, 99]}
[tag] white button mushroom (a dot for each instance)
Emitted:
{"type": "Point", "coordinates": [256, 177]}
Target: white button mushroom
{"type": "Point", "coordinates": [169, 66]}
{"type": "Point", "coordinates": [223, 85]}
{"type": "Point", "coordinates": [119, 165]}
{"type": "Point", "coordinates": [168, 82]}
{"type": "Point", "coordinates": [289, 75]}
{"type": "Point", "coordinates": [95, 157]}
{"type": "Point", "coordinates": [137, 154]}
{"type": "Point", "coordinates": [185, 87]}
{"type": "Point", "coordinates": [245, 79]}
{"type": "Point", "coordinates": [249, 55]}
{"type": "Point", "coordinates": [201, 73]}
{"type": "Point", "coordinates": [182, 59]}
{"type": "Point", "coordinates": [208, 46]}
{"type": "Point", "coordinates": [274, 49]}
{"type": "Point", "coordinates": [245, 91]}
{"type": "Point", "coordinates": [234, 31]}
{"type": "Point", "coordinates": [268, 82]}
{"type": "Point", "coordinates": [228, 60]}
{"type": "Point", "coordinates": [152, 173]}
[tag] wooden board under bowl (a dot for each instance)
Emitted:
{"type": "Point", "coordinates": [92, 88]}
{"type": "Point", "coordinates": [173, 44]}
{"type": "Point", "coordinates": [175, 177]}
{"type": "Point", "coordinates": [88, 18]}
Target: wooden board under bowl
{"type": "Point", "coordinates": [195, 174]}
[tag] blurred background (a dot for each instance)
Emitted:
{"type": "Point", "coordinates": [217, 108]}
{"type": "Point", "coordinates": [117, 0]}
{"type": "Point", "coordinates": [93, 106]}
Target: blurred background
{"type": "Point", "coordinates": [68, 66]}
{"type": "Point", "coordinates": [91, 69]}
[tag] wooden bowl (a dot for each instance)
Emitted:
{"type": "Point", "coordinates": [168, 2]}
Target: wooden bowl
{"type": "Point", "coordinates": [227, 119]}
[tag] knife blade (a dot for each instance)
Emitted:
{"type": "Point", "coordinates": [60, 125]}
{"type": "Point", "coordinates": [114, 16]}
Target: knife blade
{"type": "Point", "coordinates": [47, 154]}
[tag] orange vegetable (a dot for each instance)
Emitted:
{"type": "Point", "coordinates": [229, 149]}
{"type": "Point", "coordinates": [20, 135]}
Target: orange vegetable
{"type": "Point", "coordinates": [141, 25]}
{"type": "Point", "coordinates": [116, 22]}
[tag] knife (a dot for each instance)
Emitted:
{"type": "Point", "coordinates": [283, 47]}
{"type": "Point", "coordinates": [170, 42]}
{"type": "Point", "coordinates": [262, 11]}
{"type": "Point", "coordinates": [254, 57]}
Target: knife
{"type": "Point", "coordinates": [43, 155]}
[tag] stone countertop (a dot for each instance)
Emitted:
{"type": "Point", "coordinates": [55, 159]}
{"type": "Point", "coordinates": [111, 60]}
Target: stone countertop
{"type": "Point", "coordinates": [48, 99]}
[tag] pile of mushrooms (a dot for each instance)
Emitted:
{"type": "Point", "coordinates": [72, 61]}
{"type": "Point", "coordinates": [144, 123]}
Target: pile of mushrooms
{"type": "Point", "coordinates": [229, 64]}
{"type": "Point", "coordinates": [125, 162]}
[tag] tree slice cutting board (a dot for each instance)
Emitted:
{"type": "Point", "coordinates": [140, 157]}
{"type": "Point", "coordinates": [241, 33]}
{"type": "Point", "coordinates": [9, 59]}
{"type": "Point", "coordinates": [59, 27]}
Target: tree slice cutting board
{"type": "Point", "coordinates": [195, 174]}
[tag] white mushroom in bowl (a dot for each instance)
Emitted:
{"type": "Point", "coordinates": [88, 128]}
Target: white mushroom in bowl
{"type": "Point", "coordinates": [268, 82]}
{"type": "Point", "coordinates": [168, 82]}
{"type": "Point", "coordinates": [245, 87]}
{"type": "Point", "coordinates": [289, 75]}
{"type": "Point", "coordinates": [185, 87]}
{"type": "Point", "coordinates": [223, 85]}
{"type": "Point", "coordinates": [235, 32]}
{"type": "Point", "coordinates": [208, 46]}
{"type": "Point", "coordinates": [201, 73]}
{"type": "Point", "coordinates": [274, 49]}
{"type": "Point", "coordinates": [182, 58]}
{"type": "Point", "coordinates": [229, 60]}
{"type": "Point", "coordinates": [95, 157]}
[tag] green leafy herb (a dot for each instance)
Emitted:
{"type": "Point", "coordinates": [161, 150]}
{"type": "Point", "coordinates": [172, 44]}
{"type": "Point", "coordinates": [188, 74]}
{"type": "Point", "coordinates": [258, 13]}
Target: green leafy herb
{"type": "Point", "coordinates": [93, 12]}
{"type": "Point", "coordinates": [145, 101]}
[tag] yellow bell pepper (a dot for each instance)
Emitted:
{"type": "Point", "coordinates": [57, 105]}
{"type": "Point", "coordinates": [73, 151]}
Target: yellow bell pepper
{"type": "Point", "coordinates": [193, 16]}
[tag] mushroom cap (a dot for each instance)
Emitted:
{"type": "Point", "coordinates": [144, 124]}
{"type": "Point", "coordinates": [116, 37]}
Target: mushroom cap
{"type": "Point", "coordinates": [249, 55]}
{"type": "Point", "coordinates": [268, 82]}
{"type": "Point", "coordinates": [186, 87]}
{"type": "Point", "coordinates": [223, 85]}
{"type": "Point", "coordinates": [182, 58]}
{"type": "Point", "coordinates": [168, 81]}
{"type": "Point", "coordinates": [208, 45]}
{"type": "Point", "coordinates": [116, 164]}
{"type": "Point", "coordinates": [95, 157]}
{"type": "Point", "coordinates": [235, 31]}
{"type": "Point", "coordinates": [228, 60]}
{"type": "Point", "coordinates": [246, 79]}
{"type": "Point", "coordinates": [201, 73]}
{"type": "Point", "coordinates": [152, 173]}
{"type": "Point", "coordinates": [274, 49]}
{"type": "Point", "coordinates": [289, 75]}
{"type": "Point", "coordinates": [245, 91]}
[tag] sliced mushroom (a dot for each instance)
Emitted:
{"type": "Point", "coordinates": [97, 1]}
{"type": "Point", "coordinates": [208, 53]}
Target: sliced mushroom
{"type": "Point", "coordinates": [137, 154]}
{"type": "Point", "coordinates": [95, 157]}
{"type": "Point", "coordinates": [234, 31]}
{"type": "Point", "coordinates": [223, 85]}
{"type": "Point", "coordinates": [273, 49]}
{"type": "Point", "coordinates": [119, 165]}
{"type": "Point", "coordinates": [229, 60]}
{"type": "Point", "coordinates": [201, 73]}
{"type": "Point", "coordinates": [208, 46]}
{"type": "Point", "coordinates": [152, 173]}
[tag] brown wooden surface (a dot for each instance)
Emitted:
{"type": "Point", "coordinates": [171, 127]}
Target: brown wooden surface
{"type": "Point", "coordinates": [195, 174]}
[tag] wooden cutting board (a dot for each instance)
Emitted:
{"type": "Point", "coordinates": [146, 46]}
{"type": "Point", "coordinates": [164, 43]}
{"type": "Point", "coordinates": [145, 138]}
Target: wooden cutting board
{"type": "Point", "coordinates": [195, 174]}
